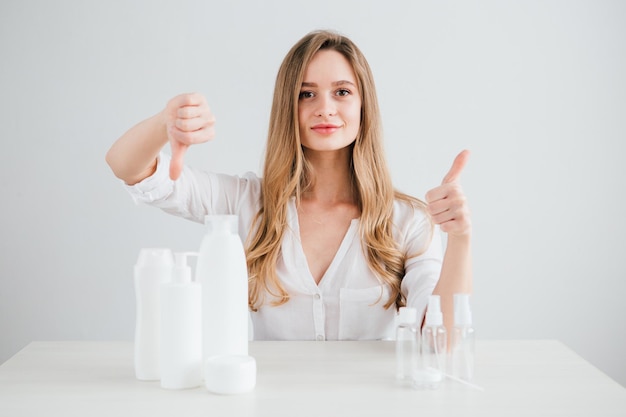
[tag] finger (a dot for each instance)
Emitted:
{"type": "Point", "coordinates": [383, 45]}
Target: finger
{"type": "Point", "coordinates": [190, 125]}
{"type": "Point", "coordinates": [457, 167]}
{"type": "Point", "coordinates": [178, 155]}
{"type": "Point", "coordinates": [188, 99]}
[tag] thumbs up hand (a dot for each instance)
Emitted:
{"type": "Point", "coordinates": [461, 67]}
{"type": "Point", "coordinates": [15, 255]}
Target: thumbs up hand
{"type": "Point", "coordinates": [447, 204]}
{"type": "Point", "coordinates": [189, 121]}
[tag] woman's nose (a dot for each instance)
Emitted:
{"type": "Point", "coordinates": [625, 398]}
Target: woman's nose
{"type": "Point", "coordinates": [326, 106]}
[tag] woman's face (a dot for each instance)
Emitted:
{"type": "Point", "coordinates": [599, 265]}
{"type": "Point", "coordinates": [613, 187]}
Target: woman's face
{"type": "Point", "coordinates": [329, 105]}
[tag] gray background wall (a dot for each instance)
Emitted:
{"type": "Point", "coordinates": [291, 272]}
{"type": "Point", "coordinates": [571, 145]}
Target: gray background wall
{"type": "Point", "coordinates": [535, 89]}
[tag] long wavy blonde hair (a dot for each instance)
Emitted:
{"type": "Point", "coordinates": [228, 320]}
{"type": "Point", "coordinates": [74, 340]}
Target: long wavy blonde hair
{"type": "Point", "coordinates": [286, 174]}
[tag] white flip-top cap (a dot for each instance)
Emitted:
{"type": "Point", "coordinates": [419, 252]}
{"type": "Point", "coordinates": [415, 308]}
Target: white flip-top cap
{"type": "Point", "coordinates": [155, 257]}
{"type": "Point", "coordinates": [407, 315]}
{"type": "Point", "coordinates": [230, 374]}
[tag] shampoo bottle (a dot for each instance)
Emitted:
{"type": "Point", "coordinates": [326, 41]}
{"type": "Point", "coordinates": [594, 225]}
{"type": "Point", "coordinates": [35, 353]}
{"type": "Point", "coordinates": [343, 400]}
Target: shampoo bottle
{"type": "Point", "coordinates": [406, 343]}
{"type": "Point", "coordinates": [181, 328]}
{"type": "Point", "coordinates": [432, 361]}
{"type": "Point", "coordinates": [223, 274]}
{"type": "Point", "coordinates": [153, 267]}
{"type": "Point", "coordinates": [462, 351]}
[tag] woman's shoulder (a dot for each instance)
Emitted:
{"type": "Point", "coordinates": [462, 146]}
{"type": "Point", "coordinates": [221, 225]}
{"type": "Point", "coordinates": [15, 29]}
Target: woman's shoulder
{"type": "Point", "coordinates": [410, 219]}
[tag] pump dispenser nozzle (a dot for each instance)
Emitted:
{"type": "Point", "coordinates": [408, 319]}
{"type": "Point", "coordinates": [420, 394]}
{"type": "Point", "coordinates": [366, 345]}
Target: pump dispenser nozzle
{"type": "Point", "coordinates": [434, 317]}
{"type": "Point", "coordinates": [182, 271]}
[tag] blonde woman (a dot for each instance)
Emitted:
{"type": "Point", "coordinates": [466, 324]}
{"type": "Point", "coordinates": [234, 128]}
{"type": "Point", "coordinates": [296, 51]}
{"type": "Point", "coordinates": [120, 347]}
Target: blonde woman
{"type": "Point", "coordinates": [332, 248]}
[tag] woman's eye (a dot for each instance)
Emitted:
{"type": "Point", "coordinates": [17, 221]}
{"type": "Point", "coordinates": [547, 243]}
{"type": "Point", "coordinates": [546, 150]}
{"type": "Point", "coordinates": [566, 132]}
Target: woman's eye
{"type": "Point", "coordinates": [343, 92]}
{"type": "Point", "coordinates": [306, 94]}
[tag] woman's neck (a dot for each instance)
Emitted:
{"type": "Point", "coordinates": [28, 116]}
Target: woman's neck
{"type": "Point", "coordinates": [331, 177]}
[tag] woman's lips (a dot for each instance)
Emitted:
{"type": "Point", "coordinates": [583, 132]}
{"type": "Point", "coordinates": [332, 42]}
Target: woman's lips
{"type": "Point", "coordinates": [325, 128]}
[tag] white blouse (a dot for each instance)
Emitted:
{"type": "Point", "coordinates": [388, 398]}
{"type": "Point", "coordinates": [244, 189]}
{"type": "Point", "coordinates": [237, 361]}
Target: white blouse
{"type": "Point", "coordinates": [348, 303]}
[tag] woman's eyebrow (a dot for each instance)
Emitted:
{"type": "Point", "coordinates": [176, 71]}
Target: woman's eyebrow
{"type": "Point", "coordinates": [334, 83]}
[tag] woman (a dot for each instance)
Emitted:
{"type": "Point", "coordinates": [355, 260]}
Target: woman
{"type": "Point", "coordinates": [332, 248]}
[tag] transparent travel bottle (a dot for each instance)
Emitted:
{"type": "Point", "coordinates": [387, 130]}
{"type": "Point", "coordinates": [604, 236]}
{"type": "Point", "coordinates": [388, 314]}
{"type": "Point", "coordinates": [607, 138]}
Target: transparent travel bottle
{"type": "Point", "coordinates": [407, 346]}
{"type": "Point", "coordinates": [431, 365]}
{"type": "Point", "coordinates": [153, 267]}
{"type": "Point", "coordinates": [462, 348]}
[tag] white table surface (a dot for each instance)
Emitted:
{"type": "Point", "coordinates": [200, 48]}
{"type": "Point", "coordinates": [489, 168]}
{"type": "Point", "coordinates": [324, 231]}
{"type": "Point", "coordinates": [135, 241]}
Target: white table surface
{"type": "Point", "coordinates": [525, 378]}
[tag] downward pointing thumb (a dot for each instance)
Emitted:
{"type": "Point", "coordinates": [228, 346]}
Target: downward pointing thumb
{"type": "Point", "coordinates": [178, 155]}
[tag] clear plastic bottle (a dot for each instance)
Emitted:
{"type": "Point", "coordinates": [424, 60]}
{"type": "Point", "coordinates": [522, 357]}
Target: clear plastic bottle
{"type": "Point", "coordinates": [407, 337]}
{"type": "Point", "coordinates": [463, 339]}
{"type": "Point", "coordinates": [153, 267]}
{"type": "Point", "coordinates": [181, 328]}
{"type": "Point", "coordinates": [431, 365]}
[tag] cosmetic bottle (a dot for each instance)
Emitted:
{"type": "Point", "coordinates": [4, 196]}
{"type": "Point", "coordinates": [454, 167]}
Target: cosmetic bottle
{"type": "Point", "coordinates": [462, 349]}
{"type": "Point", "coordinates": [181, 328]}
{"type": "Point", "coordinates": [153, 267]}
{"type": "Point", "coordinates": [223, 274]}
{"type": "Point", "coordinates": [407, 337]}
{"type": "Point", "coordinates": [431, 365]}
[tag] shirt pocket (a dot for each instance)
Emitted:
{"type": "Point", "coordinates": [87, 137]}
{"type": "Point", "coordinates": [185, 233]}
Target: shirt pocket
{"type": "Point", "coordinates": [362, 314]}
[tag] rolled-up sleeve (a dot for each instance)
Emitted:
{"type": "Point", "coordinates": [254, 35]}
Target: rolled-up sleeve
{"type": "Point", "coordinates": [197, 193]}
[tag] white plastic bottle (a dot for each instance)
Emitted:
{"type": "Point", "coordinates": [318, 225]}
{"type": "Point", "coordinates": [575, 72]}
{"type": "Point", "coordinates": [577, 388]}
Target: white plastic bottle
{"type": "Point", "coordinates": [153, 267]}
{"type": "Point", "coordinates": [432, 361]}
{"type": "Point", "coordinates": [406, 344]}
{"type": "Point", "coordinates": [223, 274]}
{"type": "Point", "coordinates": [462, 349]}
{"type": "Point", "coordinates": [181, 328]}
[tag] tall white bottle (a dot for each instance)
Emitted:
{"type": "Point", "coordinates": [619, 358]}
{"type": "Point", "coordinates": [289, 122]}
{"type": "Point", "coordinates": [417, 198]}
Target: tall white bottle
{"type": "Point", "coordinates": [181, 328]}
{"type": "Point", "coordinates": [153, 267]}
{"type": "Point", "coordinates": [462, 350]}
{"type": "Point", "coordinates": [432, 361]}
{"type": "Point", "coordinates": [223, 274]}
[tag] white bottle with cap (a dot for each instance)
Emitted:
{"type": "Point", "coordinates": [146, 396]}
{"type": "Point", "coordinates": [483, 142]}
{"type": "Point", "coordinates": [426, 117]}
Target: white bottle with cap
{"type": "Point", "coordinates": [462, 349]}
{"type": "Point", "coordinates": [406, 343]}
{"type": "Point", "coordinates": [222, 271]}
{"type": "Point", "coordinates": [432, 361]}
{"type": "Point", "coordinates": [181, 328]}
{"type": "Point", "coordinates": [153, 267]}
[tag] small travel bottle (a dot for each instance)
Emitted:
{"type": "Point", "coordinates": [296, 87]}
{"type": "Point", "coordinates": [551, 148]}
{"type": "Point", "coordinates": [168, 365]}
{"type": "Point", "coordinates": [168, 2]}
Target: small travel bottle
{"type": "Point", "coordinates": [462, 349]}
{"type": "Point", "coordinates": [431, 365]}
{"type": "Point", "coordinates": [406, 343]}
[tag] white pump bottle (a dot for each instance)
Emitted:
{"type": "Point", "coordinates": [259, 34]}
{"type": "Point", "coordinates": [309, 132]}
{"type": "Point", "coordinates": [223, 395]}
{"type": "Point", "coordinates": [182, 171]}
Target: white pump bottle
{"type": "Point", "coordinates": [153, 267]}
{"type": "Point", "coordinates": [181, 328]}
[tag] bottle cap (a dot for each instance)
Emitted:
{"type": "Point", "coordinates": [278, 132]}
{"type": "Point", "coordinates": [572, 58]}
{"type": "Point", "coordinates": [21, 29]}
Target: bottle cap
{"type": "Point", "coordinates": [230, 374]}
{"type": "Point", "coordinates": [407, 315]}
{"type": "Point", "coordinates": [221, 223]}
{"type": "Point", "coordinates": [182, 271]}
{"type": "Point", "coordinates": [155, 257]}
{"type": "Point", "coordinates": [434, 317]}
{"type": "Point", "coordinates": [462, 311]}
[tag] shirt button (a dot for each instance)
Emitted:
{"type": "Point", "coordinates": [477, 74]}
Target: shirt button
{"type": "Point", "coordinates": [320, 337]}
{"type": "Point", "coordinates": [317, 296]}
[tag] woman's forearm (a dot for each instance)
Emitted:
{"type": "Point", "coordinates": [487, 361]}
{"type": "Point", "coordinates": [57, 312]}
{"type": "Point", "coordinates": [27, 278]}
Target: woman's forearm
{"type": "Point", "coordinates": [133, 156]}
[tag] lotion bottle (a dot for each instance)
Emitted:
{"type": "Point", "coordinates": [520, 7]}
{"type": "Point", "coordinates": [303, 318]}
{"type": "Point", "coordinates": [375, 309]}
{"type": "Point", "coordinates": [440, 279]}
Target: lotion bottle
{"type": "Point", "coordinates": [462, 350]}
{"type": "Point", "coordinates": [223, 274]}
{"type": "Point", "coordinates": [153, 267]}
{"type": "Point", "coordinates": [181, 328]}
